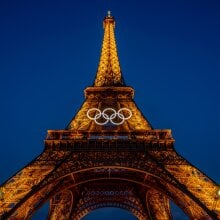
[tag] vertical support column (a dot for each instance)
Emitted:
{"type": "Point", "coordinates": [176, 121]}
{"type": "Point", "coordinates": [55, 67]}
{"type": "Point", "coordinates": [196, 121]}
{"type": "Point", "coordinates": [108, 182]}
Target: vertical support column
{"type": "Point", "coordinates": [158, 206]}
{"type": "Point", "coordinates": [61, 206]}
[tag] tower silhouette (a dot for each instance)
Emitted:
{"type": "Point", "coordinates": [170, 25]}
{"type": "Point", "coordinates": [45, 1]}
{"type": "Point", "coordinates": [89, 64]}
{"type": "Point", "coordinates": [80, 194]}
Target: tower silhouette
{"type": "Point", "coordinates": [109, 156]}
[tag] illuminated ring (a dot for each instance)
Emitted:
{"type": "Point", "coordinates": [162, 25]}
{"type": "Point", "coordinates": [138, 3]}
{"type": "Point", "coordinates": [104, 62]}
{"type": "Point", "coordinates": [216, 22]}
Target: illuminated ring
{"type": "Point", "coordinates": [117, 123]}
{"type": "Point", "coordinates": [112, 116]}
{"type": "Point", "coordinates": [105, 116]}
{"type": "Point", "coordinates": [126, 109]}
{"type": "Point", "coordinates": [121, 116]}
{"type": "Point", "coordinates": [97, 116]}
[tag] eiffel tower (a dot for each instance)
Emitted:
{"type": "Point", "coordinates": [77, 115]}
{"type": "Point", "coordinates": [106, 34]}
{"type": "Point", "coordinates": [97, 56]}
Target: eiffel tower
{"type": "Point", "coordinates": [109, 156]}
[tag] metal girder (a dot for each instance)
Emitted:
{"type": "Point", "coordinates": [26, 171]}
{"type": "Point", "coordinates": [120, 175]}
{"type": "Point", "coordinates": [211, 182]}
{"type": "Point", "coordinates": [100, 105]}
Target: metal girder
{"type": "Point", "coordinates": [133, 167]}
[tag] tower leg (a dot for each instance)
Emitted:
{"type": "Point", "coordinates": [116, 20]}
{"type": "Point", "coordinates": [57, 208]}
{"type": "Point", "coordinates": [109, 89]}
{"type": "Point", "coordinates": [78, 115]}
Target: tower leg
{"type": "Point", "coordinates": [158, 206]}
{"type": "Point", "coordinates": [61, 205]}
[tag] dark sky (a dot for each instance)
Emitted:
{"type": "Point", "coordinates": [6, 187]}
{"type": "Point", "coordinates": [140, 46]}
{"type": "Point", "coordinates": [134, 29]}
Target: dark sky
{"type": "Point", "coordinates": [169, 52]}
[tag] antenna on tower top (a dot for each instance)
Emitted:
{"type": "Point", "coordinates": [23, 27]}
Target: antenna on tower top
{"type": "Point", "coordinates": [109, 13]}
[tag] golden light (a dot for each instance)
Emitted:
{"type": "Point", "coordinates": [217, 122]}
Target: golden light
{"type": "Point", "coordinates": [218, 192]}
{"type": "Point", "coordinates": [1, 194]}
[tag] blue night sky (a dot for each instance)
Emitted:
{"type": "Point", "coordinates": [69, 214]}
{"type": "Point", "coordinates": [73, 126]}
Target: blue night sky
{"type": "Point", "coordinates": [169, 52]}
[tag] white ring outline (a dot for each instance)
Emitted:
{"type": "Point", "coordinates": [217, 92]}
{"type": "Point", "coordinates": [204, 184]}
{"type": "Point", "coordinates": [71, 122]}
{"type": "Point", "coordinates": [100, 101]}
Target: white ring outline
{"type": "Point", "coordinates": [97, 116]}
{"type": "Point", "coordinates": [109, 117]}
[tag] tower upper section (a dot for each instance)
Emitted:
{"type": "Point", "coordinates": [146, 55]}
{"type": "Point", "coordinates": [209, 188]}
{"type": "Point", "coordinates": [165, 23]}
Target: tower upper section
{"type": "Point", "coordinates": [109, 71]}
{"type": "Point", "coordinates": [109, 105]}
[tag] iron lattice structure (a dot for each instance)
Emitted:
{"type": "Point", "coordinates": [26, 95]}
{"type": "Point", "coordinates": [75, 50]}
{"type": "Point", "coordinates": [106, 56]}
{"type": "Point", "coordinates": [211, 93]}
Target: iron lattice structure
{"type": "Point", "coordinates": [109, 156]}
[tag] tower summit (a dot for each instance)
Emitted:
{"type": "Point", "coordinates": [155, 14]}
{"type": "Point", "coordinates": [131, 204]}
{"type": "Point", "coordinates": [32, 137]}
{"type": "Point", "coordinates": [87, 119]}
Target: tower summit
{"type": "Point", "coordinates": [109, 70]}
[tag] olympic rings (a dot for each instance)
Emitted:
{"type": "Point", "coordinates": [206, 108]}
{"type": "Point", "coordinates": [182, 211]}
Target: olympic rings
{"type": "Point", "coordinates": [109, 115]}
